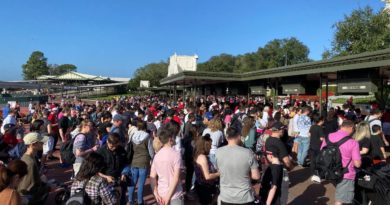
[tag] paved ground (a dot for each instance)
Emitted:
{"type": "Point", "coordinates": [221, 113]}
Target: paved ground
{"type": "Point", "coordinates": [301, 191]}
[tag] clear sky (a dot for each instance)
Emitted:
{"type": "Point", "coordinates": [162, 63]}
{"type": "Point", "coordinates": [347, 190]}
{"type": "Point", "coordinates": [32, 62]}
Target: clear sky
{"type": "Point", "coordinates": [115, 37]}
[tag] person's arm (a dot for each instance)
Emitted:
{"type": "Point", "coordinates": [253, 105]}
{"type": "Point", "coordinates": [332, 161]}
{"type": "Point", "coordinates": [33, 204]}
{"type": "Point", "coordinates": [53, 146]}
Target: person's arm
{"type": "Point", "coordinates": [154, 185]}
{"type": "Point", "coordinates": [255, 174]}
{"type": "Point", "coordinates": [356, 157]}
{"type": "Point", "coordinates": [202, 161]}
{"type": "Point", "coordinates": [364, 150]}
{"type": "Point", "coordinates": [383, 152]}
{"type": "Point", "coordinates": [287, 163]}
{"type": "Point", "coordinates": [271, 194]}
{"type": "Point", "coordinates": [49, 129]}
{"type": "Point", "coordinates": [150, 148]}
{"type": "Point", "coordinates": [78, 143]}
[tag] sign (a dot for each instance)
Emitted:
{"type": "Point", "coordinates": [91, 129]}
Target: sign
{"type": "Point", "coordinates": [356, 87]}
{"type": "Point", "coordinates": [293, 89]}
{"type": "Point", "coordinates": [144, 84]}
{"type": "Point", "coordinates": [258, 90]}
{"type": "Point", "coordinates": [178, 64]}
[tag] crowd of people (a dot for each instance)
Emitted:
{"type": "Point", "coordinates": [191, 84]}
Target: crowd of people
{"type": "Point", "coordinates": [210, 150]}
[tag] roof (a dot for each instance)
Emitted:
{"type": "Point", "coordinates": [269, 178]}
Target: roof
{"type": "Point", "coordinates": [76, 76]}
{"type": "Point", "coordinates": [373, 59]}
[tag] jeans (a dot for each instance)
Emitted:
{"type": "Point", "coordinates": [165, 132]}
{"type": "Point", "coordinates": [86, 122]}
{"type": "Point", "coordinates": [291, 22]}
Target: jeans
{"type": "Point", "coordinates": [213, 159]}
{"type": "Point", "coordinates": [303, 148]}
{"type": "Point", "coordinates": [313, 156]}
{"type": "Point", "coordinates": [137, 175]}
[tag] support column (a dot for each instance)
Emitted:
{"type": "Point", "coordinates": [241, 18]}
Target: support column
{"type": "Point", "coordinates": [275, 100]}
{"type": "Point", "coordinates": [174, 93]}
{"type": "Point", "coordinates": [326, 95]}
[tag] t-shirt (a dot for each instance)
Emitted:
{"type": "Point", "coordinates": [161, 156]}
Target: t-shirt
{"type": "Point", "coordinates": [64, 124]}
{"type": "Point", "coordinates": [376, 144]}
{"type": "Point", "coordinates": [234, 164]}
{"type": "Point", "coordinates": [373, 121]}
{"type": "Point", "coordinates": [31, 180]}
{"type": "Point", "coordinates": [349, 152]}
{"type": "Point", "coordinates": [316, 132]}
{"type": "Point", "coordinates": [10, 197]}
{"type": "Point", "coordinates": [216, 137]}
{"type": "Point", "coordinates": [275, 147]}
{"type": "Point", "coordinates": [166, 161]}
{"type": "Point", "coordinates": [83, 143]}
{"type": "Point", "coordinates": [273, 176]}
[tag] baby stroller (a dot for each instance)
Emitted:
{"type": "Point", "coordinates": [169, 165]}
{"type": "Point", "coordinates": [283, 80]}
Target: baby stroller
{"type": "Point", "coordinates": [373, 186]}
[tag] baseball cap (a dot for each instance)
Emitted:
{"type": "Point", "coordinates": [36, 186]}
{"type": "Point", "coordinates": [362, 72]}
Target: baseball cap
{"type": "Point", "coordinates": [117, 117]}
{"type": "Point", "coordinates": [277, 126]}
{"type": "Point", "coordinates": [34, 137]}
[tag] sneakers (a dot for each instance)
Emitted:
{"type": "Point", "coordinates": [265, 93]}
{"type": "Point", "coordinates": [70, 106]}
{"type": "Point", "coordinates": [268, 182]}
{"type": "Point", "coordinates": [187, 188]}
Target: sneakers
{"type": "Point", "coordinates": [315, 179]}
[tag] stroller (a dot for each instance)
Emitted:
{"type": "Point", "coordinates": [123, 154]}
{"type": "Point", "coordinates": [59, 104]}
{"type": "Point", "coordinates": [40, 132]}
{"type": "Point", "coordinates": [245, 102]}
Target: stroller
{"type": "Point", "coordinates": [373, 186]}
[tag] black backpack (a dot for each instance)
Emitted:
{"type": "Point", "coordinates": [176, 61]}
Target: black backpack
{"type": "Point", "coordinates": [80, 197]}
{"type": "Point", "coordinates": [329, 162]}
{"type": "Point", "coordinates": [66, 151]}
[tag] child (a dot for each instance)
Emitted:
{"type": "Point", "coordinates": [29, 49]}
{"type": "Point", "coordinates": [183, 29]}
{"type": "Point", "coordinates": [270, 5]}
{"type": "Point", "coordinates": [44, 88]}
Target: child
{"type": "Point", "coordinates": [377, 145]}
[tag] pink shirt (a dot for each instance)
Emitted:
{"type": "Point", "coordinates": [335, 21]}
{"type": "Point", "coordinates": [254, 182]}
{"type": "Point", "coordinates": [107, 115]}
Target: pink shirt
{"type": "Point", "coordinates": [165, 162]}
{"type": "Point", "coordinates": [349, 150]}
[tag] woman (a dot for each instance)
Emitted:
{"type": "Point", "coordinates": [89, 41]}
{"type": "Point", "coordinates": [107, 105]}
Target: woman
{"type": "Point", "coordinates": [97, 188]}
{"type": "Point", "coordinates": [205, 172]}
{"type": "Point", "coordinates": [362, 136]}
{"type": "Point", "coordinates": [248, 132]}
{"type": "Point", "coordinates": [142, 154]}
{"type": "Point", "coordinates": [214, 130]}
{"type": "Point", "coordinates": [9, 179]}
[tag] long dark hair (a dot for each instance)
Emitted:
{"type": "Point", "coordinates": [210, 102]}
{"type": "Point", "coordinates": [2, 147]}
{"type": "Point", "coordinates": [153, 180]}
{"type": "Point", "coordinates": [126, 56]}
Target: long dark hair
{"type": "Point", "coordinates": [92, 164]}
{"type": "Point", "coordinates": [202, 146]}
{"type": "Point", "coordinates": [15, 167]}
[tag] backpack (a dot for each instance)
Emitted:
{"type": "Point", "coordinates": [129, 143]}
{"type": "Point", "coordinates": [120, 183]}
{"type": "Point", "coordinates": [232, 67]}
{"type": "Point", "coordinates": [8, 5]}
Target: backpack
{"type": "Point", "coordinates": [80, 197]}
{"type": "Point", "coordinates": [66, 151]}
{"type": "Point", "coordinates": [329, 162]}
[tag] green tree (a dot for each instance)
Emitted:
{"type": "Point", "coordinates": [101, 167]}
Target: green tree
{"type": "Point", "coordinates": [281, 52]}
{"type": "Point", "coordinates": [363, 30]}
{"type": "Point", "coordinates": [35, 66]}
{"type": "Point", "coordinates": [221, 63]}
{"type": "Point", "coordinates": [152, 72]}
{"type": "Point", "coordinates": [55, 69]}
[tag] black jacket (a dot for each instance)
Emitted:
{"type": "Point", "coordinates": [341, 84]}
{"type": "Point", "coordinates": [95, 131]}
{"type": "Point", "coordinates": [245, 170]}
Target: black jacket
{"type": "Point", "coordinates": [115, 160]}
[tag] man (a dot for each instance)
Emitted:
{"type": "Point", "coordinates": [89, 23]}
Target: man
{"type": "Point", "coordinates": [304, 124]}
{"type": "Point", "coordinates": [166, 167]}
{"type": "Point", "coordinates": [274, 190]}
{"type": "Point", "coordinates": [374, 119]}
{"type": "Point", "coordinates": [31, 185]}
{"type": "Point", "coordinates": [350, 155]}
{"type": "Point", "coordinates": [64, 125]}
{"type": "Point", "coordinates": [118, 128]}
{"type": "Point", "coordinates": [115, 158]}
{"type": "Point", "coordinates": [10, 119]}
{"type": "Point", "coordinates": [237, 166]}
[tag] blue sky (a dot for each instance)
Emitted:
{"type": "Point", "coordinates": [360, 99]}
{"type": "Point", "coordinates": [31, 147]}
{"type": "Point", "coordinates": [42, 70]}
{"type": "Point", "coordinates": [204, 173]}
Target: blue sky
{"type": "Point", "coordinates": [114, 38]}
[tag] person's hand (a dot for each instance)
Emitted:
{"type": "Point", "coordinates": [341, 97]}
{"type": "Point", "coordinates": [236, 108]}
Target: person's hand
{"type": "Point", "coordinates": [95, 148]}
{"type": "Point", "coordinates": [166, 200]}
{"type": "Point", "coordinates": [110, 179]}
{"type": "Point", "coordinates": [159, 199]}
{"type": "Point", "coordinates": [123, 178]}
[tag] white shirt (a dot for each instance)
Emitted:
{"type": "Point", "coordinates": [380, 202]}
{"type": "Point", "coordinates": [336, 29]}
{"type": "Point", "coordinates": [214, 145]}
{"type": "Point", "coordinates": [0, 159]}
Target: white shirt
{"type": "Point", "coordinates": [8, 120]}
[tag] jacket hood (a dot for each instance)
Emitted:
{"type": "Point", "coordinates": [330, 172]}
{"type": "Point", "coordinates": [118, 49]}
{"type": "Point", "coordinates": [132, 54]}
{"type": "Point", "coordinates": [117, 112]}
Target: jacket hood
{"type": "Point", "coordinates": [139, 136]}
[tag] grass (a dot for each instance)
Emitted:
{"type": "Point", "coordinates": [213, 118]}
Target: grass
{"type": "Point", "coordinates": [110, 97]}
{"type": "Point", "coordinates": [356, 100]}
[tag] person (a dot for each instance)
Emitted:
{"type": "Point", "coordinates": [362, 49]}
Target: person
{"type": "Point", "coordinates": [83, 144]}
{"type": "Point", "coordinates": [38, 126]}
{"type": "Point", "coordinates": [10, 119]}
{"type": "Point", "coordinates": [237, 166]}
{"type": "Point", "coordinates": [248, 132]}
{"type": "Point", "coordinates": [277, 156]}
{"type": "Point", "coordinates": [350, 155]}
{"type": "Point", "coordinates": [143, 153]}
{"type": "Point", "coordinates": [115, 158]}
{"type": "Point", "coordinates": [363, 136]}
{"type": "Point", "coordinates": [331, 124]}
{"type": "Point", "coordinates": [64, 125]}
{"type": "Point", "coordinates": [304, 124]}
{"type": "Point", "coordinates": [205, 172]}
{"type": "Point", "coordinates": [9, 179]}
{"type": "Point", "coordinates": [377, 145]}
{"type": "Point", "coordinates": [216, 134]}
{"type": "Point", "coordinates": [46, 129]}
{"type": "Point", "coordinates": [316, 137]}
{"type": "Point", "coordinates": [117, 127]}
{"type": "Point", "coordinates": [374, 119]}
{"type": "Point", "coordinates": [96, 187]}
{"type": "Point", "coordinates": [31, 186]}
{"type": "Point", "coordinates": [187, 142]}
{"type": "Point", "coordinates": [165, 171]}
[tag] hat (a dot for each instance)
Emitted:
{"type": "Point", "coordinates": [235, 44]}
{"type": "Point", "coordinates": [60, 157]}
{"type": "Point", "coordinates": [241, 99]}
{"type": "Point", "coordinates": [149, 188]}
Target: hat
{"type": "Point", "coordinates": [277, 126]}
{"type": "Point", "coordinates": [34, 137]}
{"type": "Point", "coordinates": [117, 117]}
{"type": "Point", "coordinates": [8, 126]}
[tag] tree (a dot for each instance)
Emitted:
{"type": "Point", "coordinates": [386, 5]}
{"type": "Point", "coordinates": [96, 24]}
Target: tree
{"type": "Point", "coordinates": [281, 52]}
{"type": "Point", "coordinates": [363, 30]}
{"type": "Point", "coordinates": [221, 63]}
{"type": "Point", "coordinates": [152, 72]}
{"type": "Point", "coordinates": [35, 66]}
{"type": "Point", "coordinates": [55, 69]}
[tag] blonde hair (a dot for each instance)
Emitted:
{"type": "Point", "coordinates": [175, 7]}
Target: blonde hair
{"type": "Point", "coordinates": [362, 131]}
{"type": "Point", "coordinates": [214, 125]}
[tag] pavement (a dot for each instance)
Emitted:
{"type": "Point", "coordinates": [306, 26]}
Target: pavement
{"type": "Point", "coordinates": [301, 192]}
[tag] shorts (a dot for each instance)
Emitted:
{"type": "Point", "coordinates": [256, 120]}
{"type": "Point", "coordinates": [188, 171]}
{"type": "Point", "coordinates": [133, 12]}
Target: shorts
{"type": "Point", "coordinates": [48, 146]}
{"type": "Point", "coordinates": [345, 191]}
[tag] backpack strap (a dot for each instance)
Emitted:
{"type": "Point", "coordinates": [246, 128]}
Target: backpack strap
{"type": "Point", "coordinates": [342, 141]}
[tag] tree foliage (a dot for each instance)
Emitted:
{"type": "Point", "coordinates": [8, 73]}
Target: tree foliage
{"type": "Point", "coordinates": [152, 72]}
{"type": "Point", "coordinates": [363, 30]}
{"type": "Point", "coordinates": [55, 69]}
{"type": "Point", "coordinates": [276, 53]}
{"type": "Point", "coordinates": [35, 66]}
